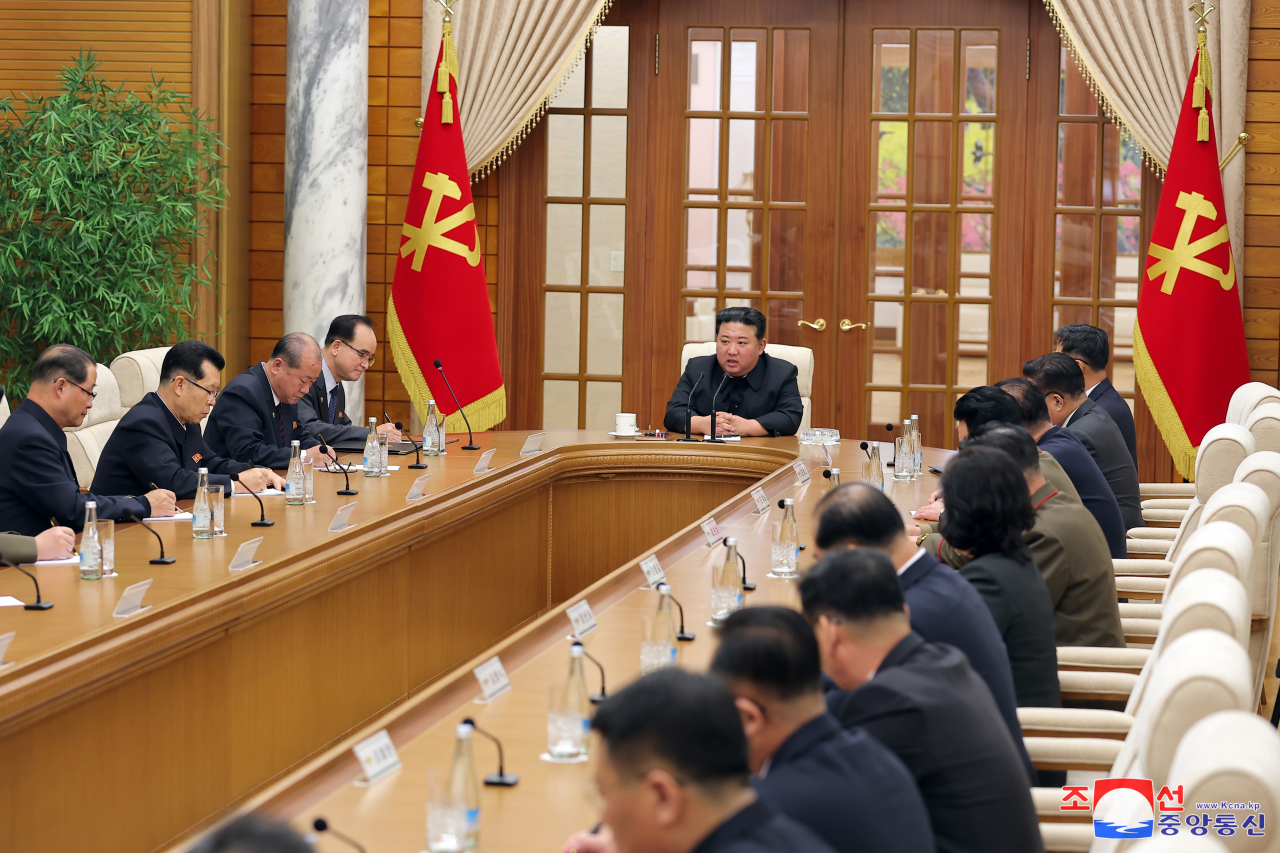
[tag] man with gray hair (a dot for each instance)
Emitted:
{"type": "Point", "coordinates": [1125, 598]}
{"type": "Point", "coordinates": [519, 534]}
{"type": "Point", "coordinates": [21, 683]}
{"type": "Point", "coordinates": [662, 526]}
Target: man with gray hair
{"type": "Point", "coordinates": [256, 417]}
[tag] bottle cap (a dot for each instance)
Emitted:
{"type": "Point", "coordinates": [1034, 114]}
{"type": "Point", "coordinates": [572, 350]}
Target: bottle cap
{"type": "Point", "coordinates": [463, 731]}
{"type": "Point", "coordinates": [835, 470]}
{"type": "Point", "coordinates": [202, 470]}
{"type": "Point", "coordinates": [294, 443]}
{"type": "Point", "coordinates": [663, 589]}
{"type": "Point", "coordinates": [88, 504]}
{"type": "Point", "coordinates": [730, 542]}
{"type": "Point", "coordinates": [788, 502]}
{"type": "Point", "coordinates": [576, 650]}
{"type": "Point", "coordinates": [431, 402]}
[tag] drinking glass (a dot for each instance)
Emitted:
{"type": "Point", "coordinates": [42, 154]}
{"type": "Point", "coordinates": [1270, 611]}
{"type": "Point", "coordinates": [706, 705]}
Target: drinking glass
{"type": "Point", "coordinates": [783, 563]}
{"type": "Point", "coordinates": [384, 445]}
{"type": "Point", "coordinates": [308, 479]}
{"type": "Point", "coordinates": [872, 475]}
{"type": "Point", "coordinates": [565, 726]}
{"type": "Point", "coordinates": [107, 539]}
{"type": "Point", "coordinates": [653, 655]}
{"type": "Point", "coordinates": [446, 819]}
{"type": "Point", "coordinates": [218, 509]}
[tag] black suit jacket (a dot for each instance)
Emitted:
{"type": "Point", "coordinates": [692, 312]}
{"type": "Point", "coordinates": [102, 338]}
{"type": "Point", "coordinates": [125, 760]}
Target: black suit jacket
{"type": "Point", "coordinates": [758, 828]}
{"type": "Point", "coordinates": [313, 414]}
{"type": "Point", "coordinates": [848, 788]}
{"type": "Point", "coordinates": [1101, 437]}
{"type": "Point", "coordinates": [1110, 401]}
{"type": "Point", "coordinates": [1019, 602]}
{"type": "Point", "coordinates": [945, 608]}
{"type": "Point", "coordinates": [768, 394]}
{"type": "Point", "coordinates": [932, 710]}
{"type": "Point", "coordinates": [244, 425]}
{"type": "Point", "coordinates": [149, 445]}
{"type": "Point", "coordinates": [1091, 486]}
{"type": "Point", "coordinates": [38, 481]}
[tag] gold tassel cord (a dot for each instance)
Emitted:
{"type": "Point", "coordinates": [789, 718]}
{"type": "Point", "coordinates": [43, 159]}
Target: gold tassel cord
{"type": "Point", "coordinates": [448, 68]}
{"type": "Point", "coordinates": [1203, 85]}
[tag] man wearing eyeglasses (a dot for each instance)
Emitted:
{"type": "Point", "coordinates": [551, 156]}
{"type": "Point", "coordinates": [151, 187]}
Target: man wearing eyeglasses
{"type": "Point", "coordinates": [349, 350]}
{"type": "Point", "coordinates": [38, 487]}
{"type": "Point", "coordinates": [159, 440]}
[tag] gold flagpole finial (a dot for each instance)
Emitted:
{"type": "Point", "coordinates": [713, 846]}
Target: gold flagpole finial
{"type": "Point", "coordinates": [1204, 70]}
{"type": "Point", "coordinates": [1201, 10]}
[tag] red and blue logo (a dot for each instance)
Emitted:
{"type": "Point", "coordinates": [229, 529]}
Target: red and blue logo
{"type": "Point", "coordinates": [1123, 808]}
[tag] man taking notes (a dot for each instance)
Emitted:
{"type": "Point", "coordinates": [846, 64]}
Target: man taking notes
{"type": "Point", "coordinates": [159, 440]}
{"type": "Point", "coordinates": [350, 349]}
{"type": "Point", "coordinates": [56, 543]}
{"type": "Point", "coordinates": [38, 487]}
{"type": "Point", "coordinates": [257, 416]}
{"type": "Point", "coordinates": [760, 394]}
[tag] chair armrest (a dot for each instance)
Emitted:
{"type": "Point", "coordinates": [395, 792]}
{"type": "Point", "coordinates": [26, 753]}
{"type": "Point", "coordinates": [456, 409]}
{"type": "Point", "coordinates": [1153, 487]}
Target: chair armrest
{"type": "Point", "coordinates": [1066, 837]}
{"type": "Point", "coordinates": [1073, 753]}
{"type": "Point", "coordinates": [1048, 805]}
{"type": "Point", "coordinates": [1158, 533]}
{"type": "Point", "coordinates": [1094, 686]}
{"type": "Point", "coordinates": [1074, 722]}
{"type": "Point", "coordinates": [1180, 504]}
{"type": "Point", "coordinates": [1141, 611]}
{"type": "Point", "coordinates": [1167, 490]}
{"type": "Point", "coordinates": [1148, 548]}
{"type": "Point", "coordinates": [1163, 517]}
{"type": "Point", "coordinates": [1139, 631]}
{"type": "Point", "coordinates": [1142, 568]}
{"type": "Point", "coordinates": [1102, 659]}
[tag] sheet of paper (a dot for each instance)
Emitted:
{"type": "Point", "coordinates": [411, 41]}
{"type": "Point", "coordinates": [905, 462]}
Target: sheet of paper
{"type": "Point", "coordinates": [10, 601]}
{"type": "Point", "coordinates": [334, 469]}
{"type": "Point", "coordinates": [262, 494]}
{"type": "Point", "coordinates": [182, 516]}
{"type": "Point", "coordinates": [723, 437]}
{"type": "Point", "coordinates": [66, 561]}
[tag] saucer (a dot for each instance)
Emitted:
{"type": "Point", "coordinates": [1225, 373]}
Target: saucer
{"type": "Point", "coordinates": [626, 434]}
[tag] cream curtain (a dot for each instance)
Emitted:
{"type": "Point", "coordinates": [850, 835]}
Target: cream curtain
{"type": "Point", "coordinates": [512, 55]}
{"type": "Point", "coordinates": [1138, 53]}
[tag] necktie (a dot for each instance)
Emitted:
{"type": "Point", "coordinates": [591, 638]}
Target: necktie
{"type": "Point", "coordinates": [280, 422]}
{"type": "Point", "coordinates": [333, 406]}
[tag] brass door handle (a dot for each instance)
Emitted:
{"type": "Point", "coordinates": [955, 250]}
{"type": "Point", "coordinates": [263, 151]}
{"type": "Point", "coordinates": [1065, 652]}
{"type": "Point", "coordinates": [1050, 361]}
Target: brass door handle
{"type": "Point", "coordinates": [846, 325]}
{"type": "Point", "coordinates": [819, 325]}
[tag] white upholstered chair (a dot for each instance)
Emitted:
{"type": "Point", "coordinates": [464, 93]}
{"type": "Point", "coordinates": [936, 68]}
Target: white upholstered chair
{"type": "Point", "coordinates": [4, 408]}
{"type": "Point", "coordinates": [86, 441]}
{"type": "Point", "coordinates": [801, 357]}
{"type": "Point", "coordinates": [138, 373]}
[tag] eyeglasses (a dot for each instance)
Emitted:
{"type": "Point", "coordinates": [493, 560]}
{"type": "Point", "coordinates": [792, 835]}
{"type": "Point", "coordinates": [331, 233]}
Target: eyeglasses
{"type": "Point", "coordinates": [92, 395]}
{"type": "Point", "coordinates": [213, 395]}
{"type": "Point", "coordinates": [366, 357]}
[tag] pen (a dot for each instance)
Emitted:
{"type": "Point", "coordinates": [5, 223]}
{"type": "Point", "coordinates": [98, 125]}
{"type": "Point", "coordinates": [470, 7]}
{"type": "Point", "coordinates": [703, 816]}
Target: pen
{"type": "Point", "coordinates": [154, 487]}
{"type": "Point", "coordinates": [54, 523]}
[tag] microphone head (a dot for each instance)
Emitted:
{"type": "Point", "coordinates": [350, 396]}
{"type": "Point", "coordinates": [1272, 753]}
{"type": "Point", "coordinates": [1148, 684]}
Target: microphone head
{"type": "Point", "coordinates": [863, 445]}
{"type": "Point", "coordinates": [320, 824]}
{"type": "Point", "coordinates": [438, 364]}
{"type": "Point", "coordinates": [469, 722]}
{"type": "Point", "coordinates": [889, 427]}
{"type": "Point", "coordinates": [827, 473]}
{"type": "Point", "coordinates": [399, 425]}
{"type": "Point", "coordinates": [781, 505]}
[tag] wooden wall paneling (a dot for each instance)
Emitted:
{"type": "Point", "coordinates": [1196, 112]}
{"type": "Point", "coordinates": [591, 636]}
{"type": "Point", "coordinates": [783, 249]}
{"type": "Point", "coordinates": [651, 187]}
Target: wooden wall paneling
{"type": "Point", "coordinates": [520, 264]}
{"type": "Point", "coordinates": [1261, 288]}
{"type": "Point", "coordinates": [266, 180]}
{"type": "Point", "coordinates": [855, 241]}
{"type": "Point", "coordinates": [1042, 160]}
{"type": "Point", "coordinates": [234, 220]}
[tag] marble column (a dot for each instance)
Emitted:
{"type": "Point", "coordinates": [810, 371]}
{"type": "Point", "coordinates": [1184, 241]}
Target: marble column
{"type": "Point", "coordinates": [326, 167]}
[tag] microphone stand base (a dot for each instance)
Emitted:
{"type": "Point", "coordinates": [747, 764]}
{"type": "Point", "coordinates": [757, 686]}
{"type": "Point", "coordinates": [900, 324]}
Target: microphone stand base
{"type": "Point", "coordinates": [693, 439]}
{"type": "Point", "coordinates": [418, 466]}
{"type": "Point", "coordinates": [347, 492]}
{"type": "Point", "coordinates": [748, 587]}
{"type": "Point", "coordinates": [597, 698]}
{"type": "Point", "coordinates": [501, 780]}
{"type": "Point", "coordinates": [39, 605]}
{"type": "Point", "coordinates": [471, 447]}
{"type": "Point", "coordinates": [686, 637]}
{"type": "Point", "coordinates": [712, 441]}
{"type": "Point", "coordinates": [163, 561]}
{"type": "Point", "coordinates": [264, 523]}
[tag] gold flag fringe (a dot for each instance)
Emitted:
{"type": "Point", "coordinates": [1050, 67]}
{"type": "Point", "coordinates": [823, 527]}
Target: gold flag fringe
{"type": "Point", "coordinates": [540, 109]}
{"type": "Point", "coordinates": [1162, 409]}
{"type": "Point", "coordinates": [1111, 113]}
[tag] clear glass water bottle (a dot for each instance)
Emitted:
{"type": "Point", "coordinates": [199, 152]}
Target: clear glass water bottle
{"type": "Point", "coordinates": [786, 542]}
{"type": "Point", "coordinates": [915, 442]}
{"type": "Point", "coordinates": [308, 477]}
{"type": "Point", "coordinates": [201, 511]}
{"type": "Point", "coordinates": [873, 469]}
{"type": "Point", "coordinates": [464, 788]}
{"type": "Point", "coordinates": [726, 584]}
{"type": "Point", "coordinates": [440, 432]}
{"type": "Point", "coordinates": [372, 452]}
{"type": "Point", "coordinates": [295, 487]}
{"type": "Point", "coordinates": [90, 552]}
{"type": "Point", "coordinates": [659, 648]}
{"type": "Point", "coordinates": [569, 715]}
{"type": "Point", "coordinates": [835, 478]}
{"type": "Point", "coordinates": [906, 460]}
{"type": "Point", "coordinates": [430, 445]}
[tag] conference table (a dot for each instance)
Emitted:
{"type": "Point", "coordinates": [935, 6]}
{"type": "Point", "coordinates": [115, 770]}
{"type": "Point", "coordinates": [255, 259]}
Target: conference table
{"type": "Point", "coordinates": [237, 690]}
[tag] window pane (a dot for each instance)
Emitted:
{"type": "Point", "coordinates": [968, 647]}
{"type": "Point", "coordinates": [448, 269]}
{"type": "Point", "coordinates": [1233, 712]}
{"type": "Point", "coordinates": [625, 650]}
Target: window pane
{"type": "Point", "coordinates": [886, 368]}
{"type": "Point", "coordinates": [560, 333]}
{"type": "Point", "coordinates": [1074, 97]}
{"type": "Point", "coordinates": [701, 237]}
{"type": "Point", "coordinates": [746, 160]}
{"type": "Point", "coordinates": [784, 316]}
{"type": "Point", "coordinates": [699, 319]}
{"type": "Point", "coordinates": [564, 244]}
{"type": "Point", "coordinates": [1073, 256]}
{"type": "Point", "coordinates": [604, 400]}
{"type": "Point", "coordinates": [935, 68]}
{"type": "Point", "coordinates": [786, 250]}
{"type": "Point", "coordinates": [607, 244]}
{"type": "Point", "coordinates": [790, 160]}
{"type": "Point", "coordinates": [573, 95]}
{"type": "Point", "coordinates": [1066, 314]}
{"type": "Point", "coordinates": [928, 362]}
{"type": "Point", "coordinates": [564, 155]}
{"type": "Point", "coordinates": [604, 334]}
{"type": "Point", "coordinates": [704, 154]}
{"type": "Point", "coordinates": [975, 243]}
{"type": "Point", "coordinates": [885, 407]}
{"type": "Point", "coordinates": [741, 281]}
{"type": "Point", "coordinates": [979, 53]}
{"type": "Point", "coordinates": [790, 70]}
{"type": "Point", "coordinates": [704, 68]}
{"type": "Point", "coordinates": [933, 162]}
{"type": "Point", "coordinates": [1118, 323]}
{"type": "Point", "coordinates": [700, 280]}
{"type": "Point", "coordinates": [891, 246]}
{"type": "Point", "coordinates": [973, 334]}
{"type": "Point", "coordinates": [746, 70]}
{"type": "Point", "coordinates": [1121, 169]}
{"type": "Point", "coordinates": [1121, 254]}
{"type": "Point", "coordinates": [559, 404]}
{"type": "Point", "coordinates": [609, 156]}
{"type": "Point", "coordinates": [609, 70]}
{"type": "Point", "coordinates": [977, 163]}
{"type": "Point", "coordinates": [891, 83]}
{"type": "Point", "coordinates": [886, 327]}
{"type": "Point", "coordinates": [889, 160]}
{"type": "Point", "coordinates": [935, 417]}
{"type": "Point", "coordinates": [930, 245]}
{"type": "Point", "coordinates": [1077, 161]}
{"type": "Point", "coordinates": [742, 241]}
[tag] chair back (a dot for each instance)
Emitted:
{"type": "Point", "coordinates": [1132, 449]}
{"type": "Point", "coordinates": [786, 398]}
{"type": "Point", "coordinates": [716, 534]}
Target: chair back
{"type": "Point", "coordinates": [138, 373]}
{"type": "Point", "coordinates": [4, 407]}
{"type": "Point", "coordinates": [1262, 469]}
{"type": "Point", "coordinates": [1221, 451]}
{"type": "Point", "coordinates": [801, 357]}
{"type": "Point", "coordinates": [1215, 545]}
{"type": "Point", "coordinates": [85, 442]}
{"type": "Point", "coordinates": [1248, 397]}
{"type": "Point", "coordinates": [1264, 423]}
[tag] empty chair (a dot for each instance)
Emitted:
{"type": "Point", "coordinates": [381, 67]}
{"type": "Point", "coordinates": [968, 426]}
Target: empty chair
{"type": "Point", "coordinates": [138, 373]}
{"type": "Point", "coordinates": [1248, 397]}
{"type": "Point", "coordinates": [1264, 424]}
{"type": "Point", "coordinates": [4, 407]}
{"type": "Point", "coordinates": [1262, 469]}
{"type": "Point", "coordinates": [801, 357]}
{"type": "Point", "coordinates": [85, 442]}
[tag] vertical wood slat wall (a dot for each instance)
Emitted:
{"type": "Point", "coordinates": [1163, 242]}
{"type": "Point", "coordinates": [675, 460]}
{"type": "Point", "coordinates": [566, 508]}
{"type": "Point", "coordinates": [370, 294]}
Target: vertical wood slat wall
{"type": "Point", "coordinates": [395, 80]}
{"type": "Point", "coordinates": [1262, 194]}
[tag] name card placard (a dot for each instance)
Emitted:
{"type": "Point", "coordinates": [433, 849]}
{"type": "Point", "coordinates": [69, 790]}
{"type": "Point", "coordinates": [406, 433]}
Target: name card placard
{"type": "Point", "coordinates": [377, 756]}
{"type": "Point", "coordinates": [711, 530]}
{"type": "Point", "coordinates": [483, 464]}
{"type": "Point", "coordinates": [342, 518]}
{"type": "Point", "coordinates": [493, 678]}
{"type": "Point", "coordinates": [244, 555]}
{"type": "Point", "coordinates": [762, 500]}
{"type": "Point", "coordinates": [131, 601]}
{"type": "Point", "coordinates": [5, 640]}
{"type": "Point", "coordinates": [653, 571]}
{"type": "Point", "coordinates": [583, 620]}
{"type": "Point", "coordinates": [532, 444]}
{"type": "Point", "coordinates": [418, 489]}
{"type": "Point", "coordinates": [802, 472]}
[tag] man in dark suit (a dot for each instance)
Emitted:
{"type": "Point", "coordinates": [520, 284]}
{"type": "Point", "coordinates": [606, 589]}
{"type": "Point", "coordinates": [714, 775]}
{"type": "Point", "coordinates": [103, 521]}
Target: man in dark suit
{"type": "Point", "coordinates": [841, 783]}
{"type": "Point", "coordinates": [350, 349]}
{"type": "Point", "coordinates": [1091, 349]}
{"type": "Point", "coordinates": [257, 417]}
{"type": "Point", "coordinates": [944, 607]}
{"type": "Point", "coordinates": [159, 440]}
{"type": "Point", "coordinates": [1091, 487]}
{"type": "Point", "coordinates": [38, 487]}
{"type": "Point", "coordinates": [760, 394]}
{"type": "Point", "coordinates": [1062, 382]}
{"type": "Point", "coordinates": [923, 701]}
{"type": "Point", "coordinates": [671, 768]}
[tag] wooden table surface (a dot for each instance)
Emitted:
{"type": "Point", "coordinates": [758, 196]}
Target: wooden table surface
{"type": "Point", "coordinates": [553, 800]}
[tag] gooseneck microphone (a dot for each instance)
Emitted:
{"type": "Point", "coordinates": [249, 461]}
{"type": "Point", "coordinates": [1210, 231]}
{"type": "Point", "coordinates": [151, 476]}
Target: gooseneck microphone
{"type": "Point", "coordinates": [866, 449]}
{"type": "Point", "coordinates": [890, 464]}
{"type": "Point", "coordinates": [162, 560]}
{"type": "Point", "coordinates": [688, 412]}
{"type": "Point", "coordinates": [596, 698]}
{"type": "Point", "coordinates": [713, 438]}
{"type": "Point", "coordinates": [322, 825]}
{"type": "Point", "coordinates": [501, 779]}
{"type": "Point", "coordinates": [471, 440]}
{"type": "Point", "coordinates": [417, 448]}
{"type": "Point", "coordinates": [682, 635]}
{"type": "Point", "coordinates": [746, 587]}
{"type": "Point", "coordinates": [39, 603]}
{"type": "Point", "coordinates": [346, 490]}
